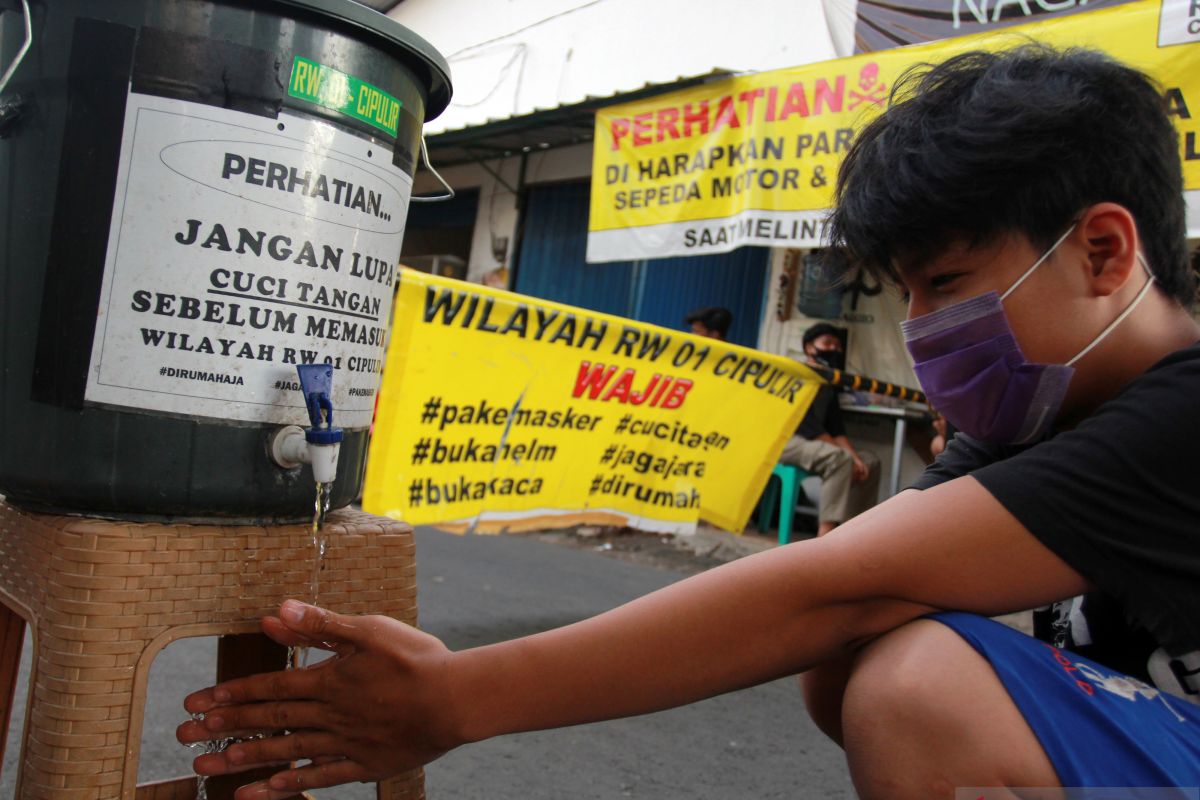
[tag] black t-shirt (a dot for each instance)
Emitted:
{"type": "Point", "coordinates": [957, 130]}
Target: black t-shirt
{"type": "Point", "coordinates": [1117, 498]}
{"type": "Point", "coordinates": [823, 416]}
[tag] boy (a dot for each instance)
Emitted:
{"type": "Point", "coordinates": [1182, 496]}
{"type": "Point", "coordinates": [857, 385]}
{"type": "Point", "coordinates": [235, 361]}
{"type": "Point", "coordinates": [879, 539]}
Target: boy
{"type": "Point", "coordinates": [1029, 203]}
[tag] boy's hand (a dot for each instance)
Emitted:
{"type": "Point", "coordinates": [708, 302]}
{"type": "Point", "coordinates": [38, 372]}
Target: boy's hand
{"type": "Point", "coordinates": [379, 707]}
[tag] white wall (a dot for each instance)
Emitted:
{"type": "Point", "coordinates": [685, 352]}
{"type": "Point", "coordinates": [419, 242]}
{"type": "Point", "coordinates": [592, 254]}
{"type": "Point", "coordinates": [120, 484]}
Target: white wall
{"type": "Point", "coordinates": [875, 346]}
{"type": "Point", "coordinates": [510, 57]}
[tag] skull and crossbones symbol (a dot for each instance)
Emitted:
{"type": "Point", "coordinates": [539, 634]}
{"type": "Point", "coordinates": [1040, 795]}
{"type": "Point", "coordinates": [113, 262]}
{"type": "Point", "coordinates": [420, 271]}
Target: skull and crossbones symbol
{"type": "Point", "coordinates": [872, 90]}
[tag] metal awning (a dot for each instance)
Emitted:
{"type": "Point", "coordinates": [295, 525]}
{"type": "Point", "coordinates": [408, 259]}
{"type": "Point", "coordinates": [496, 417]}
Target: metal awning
{"type": "Point", "coordinates": [542, 129]}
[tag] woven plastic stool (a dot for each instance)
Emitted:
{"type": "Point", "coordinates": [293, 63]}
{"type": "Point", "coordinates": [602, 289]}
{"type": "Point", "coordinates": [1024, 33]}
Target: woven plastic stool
{"type": "Point", "coordinates": [103, 598]}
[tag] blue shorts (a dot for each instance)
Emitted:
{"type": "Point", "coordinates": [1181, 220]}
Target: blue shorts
{"type": "Point", "coordinates": [1099, 727]}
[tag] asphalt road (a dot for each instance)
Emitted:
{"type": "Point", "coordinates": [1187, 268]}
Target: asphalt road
{"type": "Point", "coordinates": [756, 743]}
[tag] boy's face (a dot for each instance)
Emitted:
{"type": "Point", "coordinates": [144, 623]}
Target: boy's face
{"type": "Point", "coordinates": [1054, 314]}
{"type": "Point", "coordinates": [1087, 303]}
{"type": "Point", "coordinates": [1045, 311]}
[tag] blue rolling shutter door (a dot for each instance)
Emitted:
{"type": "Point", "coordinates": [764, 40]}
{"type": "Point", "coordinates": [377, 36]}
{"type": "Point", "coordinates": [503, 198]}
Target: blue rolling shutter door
{"type": "Point", "coordinates": [660, 291]}
{"type": "Point", "coordinates": [553, 262]}
{"type": "Point", "coordinates": [737, 280]}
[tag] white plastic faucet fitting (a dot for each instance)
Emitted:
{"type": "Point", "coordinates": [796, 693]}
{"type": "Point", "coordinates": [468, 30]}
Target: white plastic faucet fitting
{"type": "Point", "coordinates": [323, 458]}
{"type": "Point", "coordinates": [289, 449]}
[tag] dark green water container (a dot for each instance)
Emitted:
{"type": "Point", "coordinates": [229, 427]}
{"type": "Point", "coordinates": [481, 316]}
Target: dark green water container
{"type": "Point", "coordinates": [196, 195]}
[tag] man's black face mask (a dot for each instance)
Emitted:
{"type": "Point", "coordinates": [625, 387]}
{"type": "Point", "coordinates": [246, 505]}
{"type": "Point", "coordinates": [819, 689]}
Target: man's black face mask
{"type": "Point", "coordinates": [834, 359]}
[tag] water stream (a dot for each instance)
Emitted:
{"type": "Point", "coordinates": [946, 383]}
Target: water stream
{"type": "Point", "coordinates": [214, 746]}
{"type": "Point", "coordinates": [297, 657]}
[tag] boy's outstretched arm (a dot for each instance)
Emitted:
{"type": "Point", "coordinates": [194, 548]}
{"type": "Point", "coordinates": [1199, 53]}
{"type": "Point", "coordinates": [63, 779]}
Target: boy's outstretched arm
{"type": "Point", "coordinates": [396, 698]}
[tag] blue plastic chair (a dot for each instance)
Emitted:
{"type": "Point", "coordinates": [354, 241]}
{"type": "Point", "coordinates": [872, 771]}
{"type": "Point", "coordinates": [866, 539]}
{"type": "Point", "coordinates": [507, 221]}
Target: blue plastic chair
{"type": "Point", "coordinates": [789, 482]}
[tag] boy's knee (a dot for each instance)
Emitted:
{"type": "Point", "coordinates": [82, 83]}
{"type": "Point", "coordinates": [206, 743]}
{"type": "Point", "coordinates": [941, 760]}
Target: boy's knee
{"type": "Point", "coordinates": [823, 687]}
{"type": "Point", "coordinates": [880, 683]}
{"type": "Point", "coordinates": [911, 719]}
{"type": "Point", "coordinates": [893, 680]}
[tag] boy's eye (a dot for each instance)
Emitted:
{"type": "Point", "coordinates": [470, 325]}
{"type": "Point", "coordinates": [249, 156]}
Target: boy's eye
{"type": "Point", "coordinates": [944, 280]}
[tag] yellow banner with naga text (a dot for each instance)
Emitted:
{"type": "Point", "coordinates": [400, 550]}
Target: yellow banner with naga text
{"type": "Point", "coordinates": [500, 411]}
{"type": "Point", "coordinates": [753, 160]}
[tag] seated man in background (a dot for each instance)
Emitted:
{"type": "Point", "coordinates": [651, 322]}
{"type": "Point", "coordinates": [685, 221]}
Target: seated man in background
{"type": "Point", "coordinates": [849, 479]}
{"type": "Point", "coordinates": [713, 322]}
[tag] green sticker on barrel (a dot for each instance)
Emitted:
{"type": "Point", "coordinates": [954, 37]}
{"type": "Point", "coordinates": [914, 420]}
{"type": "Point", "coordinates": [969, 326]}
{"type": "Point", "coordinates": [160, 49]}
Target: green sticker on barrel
{"type": "Point", "coordinates": [343, 93]}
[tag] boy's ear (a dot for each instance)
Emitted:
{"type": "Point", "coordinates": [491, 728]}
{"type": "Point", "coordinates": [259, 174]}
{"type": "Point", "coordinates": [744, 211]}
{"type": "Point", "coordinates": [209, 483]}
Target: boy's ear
{"type": "Point", "coordinates": [1108, 235]}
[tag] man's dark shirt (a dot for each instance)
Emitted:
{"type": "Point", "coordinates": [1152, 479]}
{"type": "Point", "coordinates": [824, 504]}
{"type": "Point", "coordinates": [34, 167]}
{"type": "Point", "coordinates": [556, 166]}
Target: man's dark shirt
{"type": "Point", "coordinates": [823, 416]}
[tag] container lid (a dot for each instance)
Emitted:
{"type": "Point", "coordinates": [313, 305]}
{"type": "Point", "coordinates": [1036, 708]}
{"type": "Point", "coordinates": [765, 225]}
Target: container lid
{"type": "Point", "coordinates": [418, 54]}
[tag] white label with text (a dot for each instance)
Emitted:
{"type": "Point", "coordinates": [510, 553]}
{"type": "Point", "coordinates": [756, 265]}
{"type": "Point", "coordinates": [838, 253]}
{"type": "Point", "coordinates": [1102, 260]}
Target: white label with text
{"type": "Point", "coordinates": [241, 246]}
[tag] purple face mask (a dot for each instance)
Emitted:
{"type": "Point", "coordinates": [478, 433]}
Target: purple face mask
{"type": "Point", "coordinates": [973, 370]}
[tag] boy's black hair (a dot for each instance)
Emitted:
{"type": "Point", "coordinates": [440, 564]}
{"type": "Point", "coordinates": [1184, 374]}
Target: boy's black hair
{"type": "Point", "coordinates": [1016, 141]}
{"type": "Point", "coordinates": [716, 318]}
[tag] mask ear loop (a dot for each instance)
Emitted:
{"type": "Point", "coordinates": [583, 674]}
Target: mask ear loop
{"type": "Point", "coordinates": [1038, 263]}
{"type": "Point", "coordinates": [1120, 317]}
{"type": "Point", "coordinates": [437, 198]}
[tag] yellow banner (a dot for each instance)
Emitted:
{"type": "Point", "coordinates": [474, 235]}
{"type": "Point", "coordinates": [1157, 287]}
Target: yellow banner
{"type": "Point", "coordinates": [754, 159]}
{"type": "Point", "coordinates": [503, 412]}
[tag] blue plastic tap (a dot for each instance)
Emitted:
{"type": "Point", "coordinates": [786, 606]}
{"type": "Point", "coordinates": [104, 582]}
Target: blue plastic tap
{"type": "Point", "coordinates": [316, 384]}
